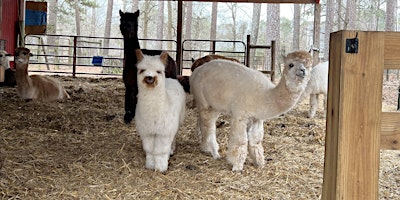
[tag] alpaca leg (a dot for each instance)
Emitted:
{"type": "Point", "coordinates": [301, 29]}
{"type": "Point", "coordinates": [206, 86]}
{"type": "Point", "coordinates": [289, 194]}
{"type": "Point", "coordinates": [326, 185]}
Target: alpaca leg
{"type": "Point", "coordinates": [255, 136]}
{"type": "Point", "coordinates": [237, 146]}
{"type": "Point", "coordinates": [209, 142]}
{"type": "Point", "coordinates": [129, 106]}
{"type": "Point", "coordinates": [161, 152]}
{"type": "Point", "coordinates": [148, 145]}
{"type": "Point", "coordinates": [313, 105]}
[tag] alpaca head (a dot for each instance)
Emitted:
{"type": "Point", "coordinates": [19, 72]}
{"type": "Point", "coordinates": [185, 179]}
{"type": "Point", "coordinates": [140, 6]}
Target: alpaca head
{"type": "Point", "coordinates": [21, 55]}
{"type": "Point", "coordinates": [129, 24]}
{"type": "Point", "coordinates": [151, 69]}
{"type": "Point", "coordinates": [3, 58]}
{"type": "Point", "coordinates": [297, 69]}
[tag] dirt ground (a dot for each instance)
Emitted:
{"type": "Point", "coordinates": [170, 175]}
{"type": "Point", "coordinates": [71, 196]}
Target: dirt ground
{"type": "Point", "coordinates": [80, 149]}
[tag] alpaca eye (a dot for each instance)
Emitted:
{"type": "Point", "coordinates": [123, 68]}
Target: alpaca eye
{"type": "Point", "coordinates": [141, 71]}
{"type": "Point", "coordinates": [291, 65]}
{"type": "Point", "coordinates": [159, 72]}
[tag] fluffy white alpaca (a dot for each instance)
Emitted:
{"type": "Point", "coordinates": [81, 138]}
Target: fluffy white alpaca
{"type": "Point", "coordinates": [160, 110]}
{"type": "Point", "coordinates": [250, 97]}
{"type": "Point", "coordinates": [317, 85]}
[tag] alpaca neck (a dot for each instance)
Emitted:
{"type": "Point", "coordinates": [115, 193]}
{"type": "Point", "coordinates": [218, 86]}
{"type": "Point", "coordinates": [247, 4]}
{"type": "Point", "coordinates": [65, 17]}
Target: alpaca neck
{"type": "Point", "coordinates": [284, 96]}
{"type": "Point", "coordinates": [131, 44]}
{"type": "Point", "coordinates": [157, 94]}
{"type": "Point", "coordinates": [21, 76]}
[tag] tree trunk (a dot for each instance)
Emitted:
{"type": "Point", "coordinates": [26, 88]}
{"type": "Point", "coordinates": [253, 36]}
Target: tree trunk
{"type": "Point", "coordinates": [390, 22]}
{"type": "Point", "coordinates": [317, 28]}
{"type": "Point", "coordinates": [329, 23]}
{"type": "Point", "coordinates": [145, 22]}
{"type": "Point", "coordinates": [233, 8]}
{"type": "Point", "coordinates": [77, 18]}
{"type": "Point", "coordinates": [273, 30]}
{"type": "Point", "coordinates": [78, 28]}
{"type": "Point", "coordinates": [135, 6]}
{"type": "Point", "coordinates": [170, 27]}
{"type": "Point", "coordinates": [254, 30]}
{"type": "Point", "coordinates": [351, 15]}
{"type": "Point", "coordinates": [52, 28]}
{"type": "Point", "coordinates": [188, 26]}
{"type": "Point", "coordinates": [107, 31]}
{"type": "Point", "coordinates": [160, 23]}
{"type": "Point", "coordinates": [214, 16]}
{"type": "Point", "coordinates": [296, 27]}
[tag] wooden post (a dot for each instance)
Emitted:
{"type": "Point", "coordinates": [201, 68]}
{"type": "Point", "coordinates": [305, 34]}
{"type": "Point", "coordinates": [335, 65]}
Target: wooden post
{"type": "Point", "coordinates": [354, 117]}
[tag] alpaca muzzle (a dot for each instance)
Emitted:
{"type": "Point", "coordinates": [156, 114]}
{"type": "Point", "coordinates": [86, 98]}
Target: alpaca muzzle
{"type": "Point", "coordinates": [149, 79]}
{"type": "Point", "coordinates": [301, 72]}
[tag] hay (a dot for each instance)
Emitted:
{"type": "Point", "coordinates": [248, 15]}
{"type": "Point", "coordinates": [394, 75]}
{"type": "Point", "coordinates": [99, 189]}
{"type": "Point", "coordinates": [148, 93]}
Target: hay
{"type": "Point", "coordinates": [81, 149]}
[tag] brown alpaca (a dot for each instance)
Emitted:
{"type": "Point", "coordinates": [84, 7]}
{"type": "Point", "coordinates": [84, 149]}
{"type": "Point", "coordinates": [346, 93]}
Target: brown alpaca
{"type": "Point", "coordinates": [36, 87]}
{"type": "Point", "coordinates": [208, 58]}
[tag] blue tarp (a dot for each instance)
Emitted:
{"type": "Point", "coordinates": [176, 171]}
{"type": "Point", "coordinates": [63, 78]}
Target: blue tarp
{"type": "Point", "coordinates": [35, 18]}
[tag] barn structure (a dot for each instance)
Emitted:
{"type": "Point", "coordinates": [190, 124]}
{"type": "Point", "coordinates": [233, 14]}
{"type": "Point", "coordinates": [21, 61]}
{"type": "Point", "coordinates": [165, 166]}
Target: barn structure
{"type": "Point", "coordinates": [356, 127]}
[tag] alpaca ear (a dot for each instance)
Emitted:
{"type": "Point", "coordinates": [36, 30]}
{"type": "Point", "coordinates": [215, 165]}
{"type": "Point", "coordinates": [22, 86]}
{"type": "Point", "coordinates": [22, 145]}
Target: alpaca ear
{"type": "Point", "coordinates": [120, 13]}
{"type": "Point", "coordinates": [137, 13]}
{"type": "Point", "coordinates": [30, 54]}
{"type": "Point", "coordinates": [139, 55]}
{"type": "Point", "coordinates": [192, 60]}
{"type": "Point", "coordinates": [164, 57]}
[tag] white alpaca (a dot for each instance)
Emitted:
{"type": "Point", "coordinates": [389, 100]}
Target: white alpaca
{"type": "Point", "coordinates": [7, 75]}
{"type": "Point", "coordinates": [160, 110]}
{"type": "Point", "coordinates": [317, 85]}
{"type": "Point", "coordinates": [4, 61]}
{"type": "Point", "coordinates": [250, 98]}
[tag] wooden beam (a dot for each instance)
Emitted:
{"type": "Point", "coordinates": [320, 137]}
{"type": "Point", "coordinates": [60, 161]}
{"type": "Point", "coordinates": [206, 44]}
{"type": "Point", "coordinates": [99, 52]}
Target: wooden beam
{"type": "Point", "coordinates": [352, 147]}
{"type": "Point", "coordinates": [392, 46]}
{"type": "Point", "coordinates": [390, 131]}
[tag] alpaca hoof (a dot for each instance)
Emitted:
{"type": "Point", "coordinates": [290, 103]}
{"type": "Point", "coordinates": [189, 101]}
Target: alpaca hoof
{"type": "Point", "coordinates": [237, 168]}
{"type": "Point", "coordinates": [208, 150]}
{"type": "Point", "coordinates": [128, 117]}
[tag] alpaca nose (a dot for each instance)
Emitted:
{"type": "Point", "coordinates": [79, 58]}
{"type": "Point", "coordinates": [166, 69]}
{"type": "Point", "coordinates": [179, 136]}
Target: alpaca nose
{"type": "Point", "coordinates": [301, 72]}
{"type": "Point", "coordinates": [149, 79]}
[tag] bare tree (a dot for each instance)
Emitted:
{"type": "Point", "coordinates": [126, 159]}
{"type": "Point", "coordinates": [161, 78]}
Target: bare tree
{"type": "Point", "coordinates": [391, 6]}
{"type": "Point", "coordinates": [255, 28]}
{"type": "Point", "coordinates": [233, 7]}
{"type": "Point", "coordinates": [296, 27]}
{"type": "Point", "coordinates": [107, 31]}
{"type": "Point", "coordinates": [135, 5]}
{"type": "Point", "coordinates": [317, 35]}
{"type": "Point", "coordinates": [145, 21]}
{"type": "Point", "coordinates": [273, 28]}
{"type": "Point", "coordinates": [170, 27]}
{"type": "Point", "coordinates": [329, 23]}
{"type": "Point", "coordinates": [77, 18]}
{"type": "Point", "coordinates": [188, 25]}
{"type": "Point", "coordinates": [214, 14]}
{"type": "Point", "coordinates": [160, 23]}
{"type": "Point", "coordinates": [351, 15]}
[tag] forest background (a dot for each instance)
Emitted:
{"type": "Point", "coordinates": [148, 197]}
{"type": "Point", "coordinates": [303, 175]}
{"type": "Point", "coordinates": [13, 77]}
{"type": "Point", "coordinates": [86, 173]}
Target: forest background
{"type": "Point", "coordinates": [291, 25]}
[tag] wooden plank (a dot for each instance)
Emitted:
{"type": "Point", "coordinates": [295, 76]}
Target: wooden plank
{"type": "Point", "coordinates": [392, 46]}
{"type": "Point", "coordinates": [353, 127]}
{"type": "Point", "coordinates": [332, 124]}
{"type": "Point", "coordinates": [390, 131]}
